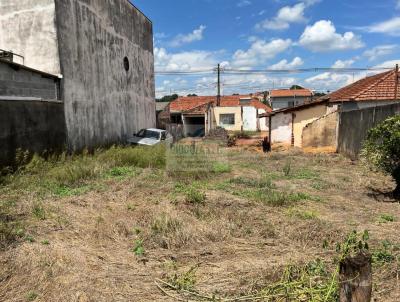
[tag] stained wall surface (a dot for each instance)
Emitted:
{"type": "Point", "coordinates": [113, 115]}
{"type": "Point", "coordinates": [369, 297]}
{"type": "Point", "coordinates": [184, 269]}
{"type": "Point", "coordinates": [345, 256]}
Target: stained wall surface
{"type": "Point", "coordinates": [304, 117]}
{"type": "Point", "coordinates": [105, 102]}
{"type": "Point", "coordinates": [321, 134]}
{"type": "Point", "coordinates": [28, 28]}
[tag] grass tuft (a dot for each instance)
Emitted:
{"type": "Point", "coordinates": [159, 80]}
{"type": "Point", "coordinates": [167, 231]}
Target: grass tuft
{"type": "Point", "coordinates": [384, 218]}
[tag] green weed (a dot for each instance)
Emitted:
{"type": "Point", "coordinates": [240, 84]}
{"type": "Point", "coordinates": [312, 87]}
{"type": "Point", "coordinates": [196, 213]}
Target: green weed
{"type": "Point", "coordinates": [65, 191]}
{"type": "Point", "coordinates": [31, 296]}
{"type": "Point", "coordinates": [384, 254]}
{"type": "Point", "coordinates": [302, 214]}
{"type": "Point", "coordinates": [184, 281]}
{"type": "Point", "coordinates": [38, 211]}
{"type": "Point", "coordinates": [138, 248]}
{"type": "Point", "coordinates": [384, 218]}
{"type": "Point", "coordinates": [220, 168]}
{"type": "Point", "coordinates": [192, 193]}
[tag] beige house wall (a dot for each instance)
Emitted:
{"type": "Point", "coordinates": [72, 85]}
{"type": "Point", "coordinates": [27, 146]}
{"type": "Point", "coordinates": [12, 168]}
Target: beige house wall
{"type": "Point", "coordinates": [320, 135]}
{"type": "Point", "coordinates": [304, 117]}
{"type": "Point", "coordinates": [237, 111]}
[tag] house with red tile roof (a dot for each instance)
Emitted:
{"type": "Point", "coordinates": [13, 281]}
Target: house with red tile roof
{"type": "Point", "coordinates": [322, 117]}
{"type": "Point", "coordinates": [285, 98]}
{"type": "Point", "coordinates": [199, 114]}
{"type": "Point", "coordinates": [377, 90]}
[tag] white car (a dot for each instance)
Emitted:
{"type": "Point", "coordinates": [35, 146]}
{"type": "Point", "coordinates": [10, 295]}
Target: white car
{"type": "Point", "coordinates": [151, 137]}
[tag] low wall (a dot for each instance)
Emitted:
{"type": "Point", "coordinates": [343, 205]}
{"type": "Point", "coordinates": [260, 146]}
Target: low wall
{"type": "Point", "coordinates": [321, 134]}
{"type": "Point", "coordinates": [30, 124]}
{"type": "Point", "coordinates": [354, 126]}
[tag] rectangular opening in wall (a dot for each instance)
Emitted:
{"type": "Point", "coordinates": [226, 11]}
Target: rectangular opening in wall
{"type": "Point", "coordinates": [227, 119]}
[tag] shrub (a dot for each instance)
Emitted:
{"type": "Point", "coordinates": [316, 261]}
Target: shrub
{"type": "Point", "coordinates": [382, 149]}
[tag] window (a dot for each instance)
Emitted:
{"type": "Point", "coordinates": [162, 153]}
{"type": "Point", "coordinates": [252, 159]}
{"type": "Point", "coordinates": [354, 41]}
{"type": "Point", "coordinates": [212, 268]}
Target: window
{"type": "Point", "coordinates": [227, 119]}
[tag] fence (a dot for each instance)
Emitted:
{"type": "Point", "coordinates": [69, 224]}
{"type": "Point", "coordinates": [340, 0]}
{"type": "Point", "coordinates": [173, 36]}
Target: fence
{"type": "Point", "coordinates": [354, 126]}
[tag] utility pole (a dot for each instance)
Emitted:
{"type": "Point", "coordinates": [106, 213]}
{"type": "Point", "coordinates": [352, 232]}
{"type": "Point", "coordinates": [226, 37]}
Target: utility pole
{"type": "Point", "coordinates": [219, 85]}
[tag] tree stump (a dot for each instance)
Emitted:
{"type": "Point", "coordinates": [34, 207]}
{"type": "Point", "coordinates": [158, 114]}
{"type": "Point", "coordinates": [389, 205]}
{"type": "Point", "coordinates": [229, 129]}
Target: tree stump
{"type": "Point", "coordinates": [356, 278]}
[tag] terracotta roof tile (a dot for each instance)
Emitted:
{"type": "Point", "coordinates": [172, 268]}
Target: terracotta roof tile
{"type": "Point", "coordinates": [290, 93]}
{"type": "Point", "coordinates": [183, 104]}
{"type": "Point", "coordinates": [380, 87]}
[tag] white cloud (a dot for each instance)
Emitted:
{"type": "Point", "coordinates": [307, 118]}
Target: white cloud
{"type": "Point", "coordinates": [286, 15]}
{"type": "Point", "coordinates": [330, 81]}
{"type": "Point", "coordinates": [184, 61]}
{"type": "Point", "coordinates": [343, 64]}
{"type": "Point", "coordinates": [388, 64]}
{"type": "Point", "coordinates": [379, 51]}
{"type": "Point", "coordinates": [285, 64]}
{"type": "Point", "coordinates": [243, 3]}
{"type": "Point", "coordinates": [322, 37]}
{"type": "Point", "coordinates": [389, 27]}
{"type": "Point", "coordinates": [181, 39]}
{"type": "Point", "coordinates": [259, 52]}
{"type": "Point", "coordinates": [246, 83]}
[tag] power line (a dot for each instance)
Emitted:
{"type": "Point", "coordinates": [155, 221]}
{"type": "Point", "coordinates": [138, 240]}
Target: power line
{"type": "Point", "coordinates": [270, 71]}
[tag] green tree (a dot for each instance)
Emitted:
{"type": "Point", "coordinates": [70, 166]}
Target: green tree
{"type": "Point", "coordinates": [168, 98]}
{"type": "Point", "coordinates": [382, 149]}
{"type": "Point", "coordinates": [296, 87]}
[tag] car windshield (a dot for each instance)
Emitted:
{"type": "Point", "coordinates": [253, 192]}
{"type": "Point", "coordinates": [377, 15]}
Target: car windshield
{"type": "Point", "coordinates": [148, 134]}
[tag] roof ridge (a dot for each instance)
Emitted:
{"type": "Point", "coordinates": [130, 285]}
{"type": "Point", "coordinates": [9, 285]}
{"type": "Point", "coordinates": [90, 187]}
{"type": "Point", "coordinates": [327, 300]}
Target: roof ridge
{"type": "Point", "coordinates": [375, 83]}
{"type": "Point", "coordinates": [198, 106]}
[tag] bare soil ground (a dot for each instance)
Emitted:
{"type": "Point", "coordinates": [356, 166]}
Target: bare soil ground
{"type": "Point", "coordinates": [111, 238]}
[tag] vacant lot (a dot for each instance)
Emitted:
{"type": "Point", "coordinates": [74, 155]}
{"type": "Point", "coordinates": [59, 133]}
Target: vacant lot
{"type": "Point", "coordinates": [256, 228]}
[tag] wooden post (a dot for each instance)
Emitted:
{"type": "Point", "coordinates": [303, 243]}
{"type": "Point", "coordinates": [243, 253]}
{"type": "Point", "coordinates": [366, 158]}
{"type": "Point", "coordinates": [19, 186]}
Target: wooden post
{"type": "Point", "coordinates": [356, 278]}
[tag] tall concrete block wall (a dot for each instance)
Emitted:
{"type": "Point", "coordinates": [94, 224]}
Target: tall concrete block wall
{"type": "Point", "coordinates": [354, 126]}
{"type": "Point", "coordinates": [18, 81]}
{"type": "Point", "coordinates": [87, 41]}
{"type": "Point", "coordinates": [37, 126]}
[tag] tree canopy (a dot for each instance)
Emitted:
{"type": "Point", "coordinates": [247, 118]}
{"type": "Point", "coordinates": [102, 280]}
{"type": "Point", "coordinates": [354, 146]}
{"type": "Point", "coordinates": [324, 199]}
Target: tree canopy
{"type": "Point", "coordinates": [296, 87]}
{"type": "Point", "coordinates": [168, 98]}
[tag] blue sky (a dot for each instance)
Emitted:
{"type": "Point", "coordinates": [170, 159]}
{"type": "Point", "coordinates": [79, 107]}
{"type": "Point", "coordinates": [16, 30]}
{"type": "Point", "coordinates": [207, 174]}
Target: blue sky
{"type": "Point", "coordinates": [194, 35]}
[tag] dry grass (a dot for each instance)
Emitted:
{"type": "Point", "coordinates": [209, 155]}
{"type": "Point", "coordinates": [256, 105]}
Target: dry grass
{"type": "Point", "coordinates": [107, 231]}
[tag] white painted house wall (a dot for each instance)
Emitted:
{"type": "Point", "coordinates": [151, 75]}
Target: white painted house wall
{"type": "Point", "coordinates": [281, 128]}
{"type": "Point", "coordinates": [249, 119]}
{"type": "Point", "coordinates": [263, 121]}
